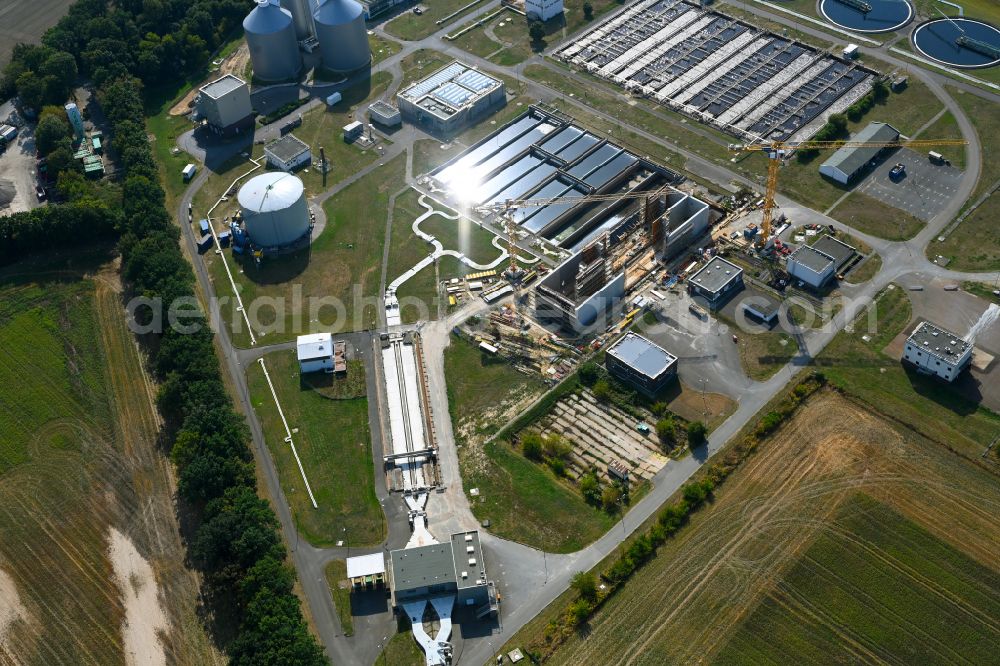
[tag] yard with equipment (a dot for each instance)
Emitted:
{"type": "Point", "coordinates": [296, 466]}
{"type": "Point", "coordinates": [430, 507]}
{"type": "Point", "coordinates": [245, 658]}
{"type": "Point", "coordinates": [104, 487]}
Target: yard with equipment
{"type": "Point", "coordinates": [328, 416]}
{"type": "Point", "coordinates": [91, 563]}
{"type": "Point", "coordinates": [860, 535]}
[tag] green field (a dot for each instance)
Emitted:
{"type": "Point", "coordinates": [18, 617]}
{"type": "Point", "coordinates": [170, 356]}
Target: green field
{"type": "Point", "coordinates": [764, 353]}
{"type": "Point", "coordinates": [336, 578]}
{"type": "Point", "coordinates": [334, 444]}
{"type": "Point", "coordinates": [79, 455]}
{"type": "Point", "coordinates": [401, 650]}
{"type": "Point", "coordinates": [522, 500]}
{"type": "Point", "coordinates": [874, 586]}
{"type": "Point", "coordinates": [975, 244]}
{"type": "Point", "coordinates": [871, 216]}
{"type": "Point", "coordinates": [462, 235]}
{"type": "Point", "coordinates": [863, 370]}
{"type": "Point", "coordinates": [866, 270]}
{"type": "Point", "coordinates": [411, 27]}
{"type": "Point", "coordinates": [342, 263]}
{"type": "Point", "coordinates": [382, 48]}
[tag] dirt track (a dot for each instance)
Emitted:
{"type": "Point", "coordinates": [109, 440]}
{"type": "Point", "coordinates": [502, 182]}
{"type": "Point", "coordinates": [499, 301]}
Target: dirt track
{"type": "Point", "coordinates": [693, 596]}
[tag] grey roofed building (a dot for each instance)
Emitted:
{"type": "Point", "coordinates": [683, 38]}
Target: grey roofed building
{"type": "Point", "coordinates": [812, 258]}
{"type": "Point", "coordinates": [839, 250]}
{"type": "Point", "coordinates": [761, 307]}
{"type": "Point", "coordinates": [423, 570]}
{"type": "Point", "coordinates": [847, 162]}
{"type": "Point", "coordinates": [222, 86]}
{"type": "Point", "coordinates": [936, 351]}
{"type": "Point", "coordinates": [641, 362]}
{"type": "Point", "coordinates": [288, 152]}
{"type": "Point", "coordinates": [716, 280]}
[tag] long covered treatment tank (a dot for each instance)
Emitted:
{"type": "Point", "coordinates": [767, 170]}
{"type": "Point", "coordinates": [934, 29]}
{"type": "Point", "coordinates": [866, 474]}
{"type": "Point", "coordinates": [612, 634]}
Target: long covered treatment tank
{"type": "Point", "coordinates": [342, 35]}
{"type": "Point", "coordinates": [301, 12]}
{"type": "Point", "coordinates": [274, 50]}
{"type": "Point", "coordinates": [274, 209]}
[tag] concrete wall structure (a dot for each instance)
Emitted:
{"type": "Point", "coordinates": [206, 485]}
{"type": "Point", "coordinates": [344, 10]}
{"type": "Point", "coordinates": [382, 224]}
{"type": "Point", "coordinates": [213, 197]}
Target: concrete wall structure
{"type": "Point", "coordinates": [225, 104]}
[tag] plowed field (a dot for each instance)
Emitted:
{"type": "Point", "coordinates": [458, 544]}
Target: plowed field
{"type": "Point", "coordinates": [841, 538]}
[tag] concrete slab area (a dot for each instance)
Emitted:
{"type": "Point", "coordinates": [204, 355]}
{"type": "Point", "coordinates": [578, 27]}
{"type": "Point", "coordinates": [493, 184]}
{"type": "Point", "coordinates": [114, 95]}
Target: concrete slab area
{"type": "Point", "coordinates": [925, 190]}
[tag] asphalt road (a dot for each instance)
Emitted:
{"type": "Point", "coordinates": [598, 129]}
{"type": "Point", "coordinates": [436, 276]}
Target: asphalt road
{"type": "Point", "coordinates": [528, 578]}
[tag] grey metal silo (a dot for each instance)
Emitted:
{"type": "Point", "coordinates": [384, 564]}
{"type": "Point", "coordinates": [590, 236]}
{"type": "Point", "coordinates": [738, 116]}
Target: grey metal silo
{"type": "Point", "coordinates": [301, 11]}
{"type": "Point", "coordinates": [274, 51]}
{"type": "Point", "coordinates": [342, 35]}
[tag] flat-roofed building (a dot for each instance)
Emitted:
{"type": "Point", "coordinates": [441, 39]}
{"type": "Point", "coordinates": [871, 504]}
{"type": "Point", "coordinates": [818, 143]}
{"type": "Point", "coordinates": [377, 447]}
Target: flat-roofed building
{"type": "Point", "coordinates": [935, 351]}
{"type": "Point", "coordinates": [451, 98]}
{"type": "Point", "coordinates": [422, 571]}
{"type": "Point", "coordinates": [716, 281]}
{"type": "Point", "coordinates": [839, 251]}
{"type": "Point", "coordinates": [225, 105]}
{"type": "Point", "coordinates": [288, 153]}
{"type": "Point", "coordinates": [366, 572]}
{"type": "Point", "coordinates": [543, 10]}
{"type": "Point", "coordinates": [641, 363]}
{"type": "Point", "coordinates": [385, 114]}
{"type": "Point", "coordinates": [315, 352]}
{"type": "Point", "coordinates": [848, 162]}
{"type": "Point", "coordinates": [472, 586]}
{"type": "Point", "coordinates": [812, 267]}
{"type": "Point", "coordinates": [761, 308]}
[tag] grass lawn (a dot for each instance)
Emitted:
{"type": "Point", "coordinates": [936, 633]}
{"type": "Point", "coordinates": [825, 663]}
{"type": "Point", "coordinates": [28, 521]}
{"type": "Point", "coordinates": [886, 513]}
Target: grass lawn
{"type": "Point", "coordinates": [80, 454]}
{"type": "Point", "coordinates": [334, 443]}
{"type": "Point", "coordinates": [975, 244]}
{"type": "Point", "coordinates": [411, 27]}
{"type": "Point", "coordinates": [343, 263]}
{"type": "Point", "coordinates": [763, 354]}
{"type": "Point", "coordinates": [522, 500]}
{"type": "Point", "coordinates": [866, 270]}
{"type": "Point", "coordinates": [462, 235]}
{"type": "Point", "coordinates": [405, 251]}
{"type": "Point", "coordinates": [871, 216]}
{"type": "Point", "coordinates": [428, 154]}
{"type": "Point", "coordinates": [422, 63]}
{"type": "Point", "coordinates": [418, 297]}
{"type": "Point", "coordinates": [165, 130]}
{"type": "Point", "coordinates": [336, 578]}
{"type": "Point", "coordinates": [879, 583]}
{"type": "Point", "coordinates": [475, 40]}
{"type": "Point", "coordinates": [862, 370]}
{"type": "Point", "coordinates": [401, 650]}
{"type": "Point", "coordinates": [982, 290]}
{"type": "Point", "coordinates": [946, 127]}
{"type": "Point", "coordinates": [382, 48]}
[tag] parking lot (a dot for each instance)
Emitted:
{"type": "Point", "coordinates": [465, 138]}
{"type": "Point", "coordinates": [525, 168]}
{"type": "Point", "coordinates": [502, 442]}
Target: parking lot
{"type": "Point", "coordinates": [923, 192]}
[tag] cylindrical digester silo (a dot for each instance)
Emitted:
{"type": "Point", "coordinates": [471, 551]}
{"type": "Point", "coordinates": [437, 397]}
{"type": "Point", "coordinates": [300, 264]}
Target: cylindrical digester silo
{"type": "Point", "coordinates": [301, 12]}
{"type": "Point", "coordinates": [342, 35]}
{"type": "Point", "coordinates": [274, 51]}
{"type": "Point", "coordinates": [274, 208]}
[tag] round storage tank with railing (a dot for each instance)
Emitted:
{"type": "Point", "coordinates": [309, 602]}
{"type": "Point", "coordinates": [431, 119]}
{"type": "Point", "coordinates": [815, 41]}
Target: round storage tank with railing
{"type": "Point", "coordinates": [342, 35]}
{"type": "Point", "coordinates": [274, 207]}
{"type": "Point", "coordinates": [274, 51]}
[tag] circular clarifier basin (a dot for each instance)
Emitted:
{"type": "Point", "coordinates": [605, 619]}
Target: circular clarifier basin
{"type": "Point", "coordinates": [867, 15]}
{"type": "Point", "coordinates": [940, 40]}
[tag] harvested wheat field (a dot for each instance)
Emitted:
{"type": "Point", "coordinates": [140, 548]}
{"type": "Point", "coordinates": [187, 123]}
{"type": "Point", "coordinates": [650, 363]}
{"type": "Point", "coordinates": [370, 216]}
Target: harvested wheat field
{"type": "Point", "coordinates": [91, 563]}
{"type": "Point", "coordinates": [840, 540]}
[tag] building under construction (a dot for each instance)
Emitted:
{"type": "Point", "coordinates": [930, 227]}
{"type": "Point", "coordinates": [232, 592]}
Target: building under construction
{"type": "Point", "coordinates": [543, 155]}
{"type": "Point", "coordinates": [719, 69]}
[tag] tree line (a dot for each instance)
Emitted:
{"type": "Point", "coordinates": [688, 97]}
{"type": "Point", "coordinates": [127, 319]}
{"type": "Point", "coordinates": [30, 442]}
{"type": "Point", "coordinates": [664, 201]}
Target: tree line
{"type": "Point", "coordinates": [235, 543]}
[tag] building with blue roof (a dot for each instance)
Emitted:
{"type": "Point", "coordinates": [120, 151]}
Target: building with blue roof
{"type": "Point", "coordinates": [451, 99]}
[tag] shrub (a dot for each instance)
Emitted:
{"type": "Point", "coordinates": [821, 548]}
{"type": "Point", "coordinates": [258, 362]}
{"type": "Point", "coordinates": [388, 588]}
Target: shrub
{"type": "Point", "coordinates": [588, 11]}
{"type": "Point", "coordinates": [536, 31]}
{"type": "Point", "coordinates": [696, 431]}
{"type": "Point", "coordinates": [666, 430]}
{"type": "Point", "coordinates": [556, 446]}
{"type": "Point", "coordinates": [602, 390]}
{"type": "Point", "coordinates": [531, 446]}
{"type": "Point", "coordinates": [585, 585]}
{"type": "Point", "coordinates": [590, 372]}
{"type": "Point", "coordinates": [611, 498]}
{"type": "Point", "coordinates": [659, 409]}
{"type": "Point", "coordinates": [590, 488]}
{"type": "Point", "coordinates": [579, 611]}
{"type": "Point", "coordinates": [557, 465]}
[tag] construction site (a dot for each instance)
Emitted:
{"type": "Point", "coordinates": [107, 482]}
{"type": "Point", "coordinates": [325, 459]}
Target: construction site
{"type": "Point", "coordinates": [720, 70]}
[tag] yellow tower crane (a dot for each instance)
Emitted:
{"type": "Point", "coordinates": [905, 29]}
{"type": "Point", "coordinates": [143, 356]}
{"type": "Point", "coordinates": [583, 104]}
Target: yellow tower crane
{"type": "Point", "coordinates": [779, 151]}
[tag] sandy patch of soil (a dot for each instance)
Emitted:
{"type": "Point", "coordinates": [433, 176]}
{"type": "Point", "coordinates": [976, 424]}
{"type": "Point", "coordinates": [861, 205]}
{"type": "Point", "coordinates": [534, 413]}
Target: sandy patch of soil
{"type": "Point", "coordinates": [145, 620]}
{"type": "Point", "coordinates": [234, 64]}
{"type": "Point", "coordinates": [11, 608]}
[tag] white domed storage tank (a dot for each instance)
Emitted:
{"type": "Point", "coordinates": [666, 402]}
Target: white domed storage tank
{"type": "Point", "coordinates": [301, 12]}
{"type": "Point", "coordinates": [274, 208]}
{"type": "Point", "coordinates": [274, 51]}
{"type": "Point", "coordinates": [342, 35]}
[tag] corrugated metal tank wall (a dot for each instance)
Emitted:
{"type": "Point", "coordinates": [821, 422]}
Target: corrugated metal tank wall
{"type": "Point", "coordinates": [270, 33]}
{"type": "Point", "coordinates": [301, 11]}
{"type": "Point", "coordinates": [274, 208]}
{"type": "Point", "coordinates": [343, 37]}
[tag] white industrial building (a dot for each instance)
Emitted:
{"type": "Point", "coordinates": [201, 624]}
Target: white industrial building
{"type": "Point", "coordinates": [225, 105]}
{"type": "Point", "coordinates": [817, 265]}
{"type": "Point", "coordinates": [543, 10]}
{"type": "Point", "coordinates": [451, 98]}
{"type": "Point", "coordinates": [848, 162]}
{"type": "Point", "coordinates": [716, 281]}
{"type": "Point", "coordinates": [935, 351]}
{"type": "Point", "coordinates": [315, 352]}
{"type": "Point", "coordinates": [385, 114]}
{"type": "Point", "coordinates": [287, 153]}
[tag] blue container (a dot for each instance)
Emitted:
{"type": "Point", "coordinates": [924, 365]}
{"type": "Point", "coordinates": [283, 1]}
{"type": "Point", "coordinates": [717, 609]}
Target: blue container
{"type": "Point", "coordinates": [203, 225]}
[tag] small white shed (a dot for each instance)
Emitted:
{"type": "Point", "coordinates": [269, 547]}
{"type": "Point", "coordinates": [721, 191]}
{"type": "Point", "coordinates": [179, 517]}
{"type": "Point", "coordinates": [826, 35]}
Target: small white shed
{"type": "Point", "coordinates": [315, 352]}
